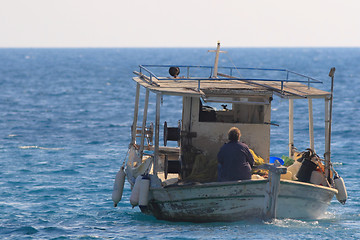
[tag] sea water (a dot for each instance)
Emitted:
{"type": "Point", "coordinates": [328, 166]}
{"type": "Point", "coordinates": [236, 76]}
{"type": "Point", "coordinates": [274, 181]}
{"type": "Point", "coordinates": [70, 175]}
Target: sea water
{"type": "Point", "coordinates": [65, 117]}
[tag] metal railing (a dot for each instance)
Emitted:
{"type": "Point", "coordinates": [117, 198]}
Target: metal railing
{"type": "Point", "coordinates": [288, 75]}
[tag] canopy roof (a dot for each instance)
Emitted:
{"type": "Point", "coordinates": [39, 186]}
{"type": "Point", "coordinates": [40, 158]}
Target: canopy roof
{"type": "Point", "coordinates": [225, 84]}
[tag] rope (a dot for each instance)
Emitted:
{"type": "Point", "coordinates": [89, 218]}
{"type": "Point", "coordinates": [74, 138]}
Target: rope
{"type": "Point", "coordinates": [238, 71]}
{"type": "Point", "coordinates": [332, 169]}
{"type": "Point", "coordinates": [123, 164]}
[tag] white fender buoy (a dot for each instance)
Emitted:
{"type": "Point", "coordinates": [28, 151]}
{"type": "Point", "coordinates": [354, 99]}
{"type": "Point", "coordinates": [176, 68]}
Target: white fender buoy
{"type": "Point", "coordinates": [118, 186]}
{"type": "Point", "coordinates": [134, 198]}
{"type": "Point", "coordinates": [341, 196]}
{"type": "Point", "coordinates": [144, 191]}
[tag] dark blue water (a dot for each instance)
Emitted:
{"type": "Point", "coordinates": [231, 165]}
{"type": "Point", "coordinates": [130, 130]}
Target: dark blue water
{"type": "Point", "coordinates": [65, 117]}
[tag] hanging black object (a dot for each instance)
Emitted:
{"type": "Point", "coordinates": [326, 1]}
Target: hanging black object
{"type": "Point", "coordinates": [174, 71]}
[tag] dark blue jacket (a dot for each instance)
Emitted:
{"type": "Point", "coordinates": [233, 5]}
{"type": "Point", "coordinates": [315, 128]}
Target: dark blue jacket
{"type": "Point", "coordinates": [234, 162]}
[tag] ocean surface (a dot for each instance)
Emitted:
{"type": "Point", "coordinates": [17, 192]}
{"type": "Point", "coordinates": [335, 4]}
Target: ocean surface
{"type": "Point", "coordinates": [65, 117]}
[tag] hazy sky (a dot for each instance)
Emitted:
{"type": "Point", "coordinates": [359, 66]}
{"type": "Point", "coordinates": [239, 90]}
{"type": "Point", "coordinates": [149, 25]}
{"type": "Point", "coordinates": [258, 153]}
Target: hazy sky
{"type": "Point", "coordinates": [181, 23]}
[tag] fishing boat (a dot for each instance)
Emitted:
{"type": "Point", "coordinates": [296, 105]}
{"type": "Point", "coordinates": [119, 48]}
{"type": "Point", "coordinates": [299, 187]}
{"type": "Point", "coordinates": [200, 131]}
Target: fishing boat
{"type": "Point", "coordinates": [174, 176]}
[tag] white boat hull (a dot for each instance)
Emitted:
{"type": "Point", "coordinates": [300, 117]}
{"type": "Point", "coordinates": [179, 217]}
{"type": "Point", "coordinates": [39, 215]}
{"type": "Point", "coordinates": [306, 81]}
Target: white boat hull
{"type": "Point", "coordinates": [233, 201]}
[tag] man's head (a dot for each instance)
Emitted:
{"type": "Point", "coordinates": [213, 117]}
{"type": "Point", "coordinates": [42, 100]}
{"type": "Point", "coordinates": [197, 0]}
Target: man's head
{"type": "Point", "coordinates": [234, 134]}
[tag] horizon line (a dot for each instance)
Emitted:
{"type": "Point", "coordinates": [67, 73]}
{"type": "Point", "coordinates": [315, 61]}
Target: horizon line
{"type": "Point", "coordinates": [144, 47]}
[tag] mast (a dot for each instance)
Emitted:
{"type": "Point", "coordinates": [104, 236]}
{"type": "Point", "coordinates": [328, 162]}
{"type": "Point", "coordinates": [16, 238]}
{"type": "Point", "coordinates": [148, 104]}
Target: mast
{"type": "Point", "coordinates": [217, 51]}
{"type": "Point", "coordinates": [328, 120]}
{"type": "Point", "coordinates": [331, 74]}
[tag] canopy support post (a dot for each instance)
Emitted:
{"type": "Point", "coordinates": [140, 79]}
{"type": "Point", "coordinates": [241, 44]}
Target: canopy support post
{"type": "Point", "coordinates": [157, 133]}
{"type": "Point", "coordinates": [143, 127]}
{"type": "Point", "coordinates": [311, 124]}
{"type": "Point", "coordinates": [291, 128]}
{"type": "Point", "coordinates": [136, 111]}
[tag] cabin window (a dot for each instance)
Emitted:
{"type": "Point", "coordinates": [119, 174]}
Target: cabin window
{"type": "Point", "coordinates": [240, 110]}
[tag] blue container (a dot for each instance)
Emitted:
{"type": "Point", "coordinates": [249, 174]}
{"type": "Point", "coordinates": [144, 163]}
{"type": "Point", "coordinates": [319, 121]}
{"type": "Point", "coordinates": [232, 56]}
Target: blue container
{"type": "Point", "coordinates": [272, 160]}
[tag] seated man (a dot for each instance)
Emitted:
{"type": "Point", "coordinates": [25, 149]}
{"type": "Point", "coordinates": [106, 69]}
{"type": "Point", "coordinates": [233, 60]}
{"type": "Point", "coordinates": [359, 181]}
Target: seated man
{"type": "Point", "coordinates": [234, 159]}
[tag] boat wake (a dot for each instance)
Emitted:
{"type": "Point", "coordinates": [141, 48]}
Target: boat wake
{"type": "Point", "coordinates": [294, 223]}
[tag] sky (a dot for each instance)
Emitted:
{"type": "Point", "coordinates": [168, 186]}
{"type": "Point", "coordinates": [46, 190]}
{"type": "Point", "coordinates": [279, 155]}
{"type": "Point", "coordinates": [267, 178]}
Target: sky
{"type": "Point", "coordinates": [181, 23]}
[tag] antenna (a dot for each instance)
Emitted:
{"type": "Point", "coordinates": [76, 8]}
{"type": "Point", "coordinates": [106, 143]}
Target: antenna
{"type": "Point", "coordinates": [217, 51]}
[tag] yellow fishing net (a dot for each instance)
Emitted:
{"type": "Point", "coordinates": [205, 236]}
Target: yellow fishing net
{"type": "Point", "coordinates": [258, 161]}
